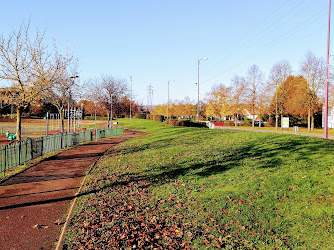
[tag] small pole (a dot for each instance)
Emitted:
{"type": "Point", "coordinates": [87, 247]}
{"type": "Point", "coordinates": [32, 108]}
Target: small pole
{"type": "Point", "coordinates": [111, 110]}
{"type": "Point", "coordinates": [47, 123]}
{"type": "Point", "coordinates": [3, 148]}
{"type": "Point", "coordinates": [130, 97]}
{"type": "Point", "coordinates": [74, 109]}
{"type": "Point", "coordinates": [68, 114]}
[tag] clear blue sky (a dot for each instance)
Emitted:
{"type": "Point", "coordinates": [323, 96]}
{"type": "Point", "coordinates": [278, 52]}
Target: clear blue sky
{"type": "Point", "coordinates": [156, 41]}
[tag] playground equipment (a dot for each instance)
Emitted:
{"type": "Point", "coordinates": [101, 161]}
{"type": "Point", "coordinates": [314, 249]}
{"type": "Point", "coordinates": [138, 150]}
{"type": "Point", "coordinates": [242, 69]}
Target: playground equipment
{"type": "Point", "coordinates": [10, 137]}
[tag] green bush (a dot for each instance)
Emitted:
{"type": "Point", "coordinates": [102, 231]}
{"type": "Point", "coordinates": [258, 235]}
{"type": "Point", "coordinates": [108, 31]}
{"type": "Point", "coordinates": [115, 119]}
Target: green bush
{"type": "Point", "coordinates": [185, 123]}
{"type": "Point", "coordinates": [188, 123]}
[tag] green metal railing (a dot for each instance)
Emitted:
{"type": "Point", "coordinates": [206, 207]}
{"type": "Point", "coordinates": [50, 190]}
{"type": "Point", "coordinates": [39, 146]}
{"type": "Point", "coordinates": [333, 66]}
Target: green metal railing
{"type": "Point", "coordinates": [19, 153]}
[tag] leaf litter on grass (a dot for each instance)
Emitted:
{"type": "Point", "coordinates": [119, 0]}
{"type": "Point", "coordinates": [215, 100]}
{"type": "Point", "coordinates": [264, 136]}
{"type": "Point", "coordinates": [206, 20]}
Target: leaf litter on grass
{"type": "Point", "coordinates": [198, 189]}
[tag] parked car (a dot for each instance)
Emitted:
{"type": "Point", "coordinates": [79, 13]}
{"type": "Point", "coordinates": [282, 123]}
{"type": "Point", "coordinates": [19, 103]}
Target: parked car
{"type": "Point", "coordinates": [256, 123]}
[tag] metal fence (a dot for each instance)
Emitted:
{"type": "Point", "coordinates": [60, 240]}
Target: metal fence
{"type": "Point", "coordinates": [26, 130]}
{"type": "Point", "coordinates": [19, 153]}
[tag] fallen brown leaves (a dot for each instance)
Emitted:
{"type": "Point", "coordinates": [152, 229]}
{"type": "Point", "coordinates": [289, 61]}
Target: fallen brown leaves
{"type": "Point", "coordinates": [127, 215]}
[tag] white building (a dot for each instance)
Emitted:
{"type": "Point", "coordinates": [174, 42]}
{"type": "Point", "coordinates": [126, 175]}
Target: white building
{"type": "Point", "coordinates": [330, 117]}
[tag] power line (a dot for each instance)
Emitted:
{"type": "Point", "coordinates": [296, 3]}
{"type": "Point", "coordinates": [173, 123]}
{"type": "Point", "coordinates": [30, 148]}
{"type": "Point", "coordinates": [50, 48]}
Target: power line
{"type": "Point", "coordinates": [292, 31]}
{"type": "Point", "coordinates": [259, 33]}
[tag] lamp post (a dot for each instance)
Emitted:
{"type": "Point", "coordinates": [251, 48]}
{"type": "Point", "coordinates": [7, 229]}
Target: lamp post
{"type": "Point", "coordinates": [95, 116]}
{"type": "Point", "coordinates": [111, 110]}
{"type": "Point", "coordinates": [68, 104]}
{"type": "Point", "coordinates": [327, 70]}
{"type": "Point", "coordinates": [168, 99]}
{"type": "Point", "coordinates": [130, 97]}
{"type": "Point", "coordinates": [198, 87]}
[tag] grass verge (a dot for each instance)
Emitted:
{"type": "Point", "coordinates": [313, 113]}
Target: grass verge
{"type": "Point", "coordinates": [203, 189]}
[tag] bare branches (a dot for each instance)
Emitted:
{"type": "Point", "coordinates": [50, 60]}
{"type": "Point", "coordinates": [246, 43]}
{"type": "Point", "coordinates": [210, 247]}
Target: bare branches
{"type": "Point", "coordinates": [30, 69]}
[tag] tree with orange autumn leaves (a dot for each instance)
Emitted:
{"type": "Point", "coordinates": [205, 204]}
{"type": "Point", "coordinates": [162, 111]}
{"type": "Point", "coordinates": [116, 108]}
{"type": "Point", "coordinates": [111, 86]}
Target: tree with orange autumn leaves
{"type": "Point", "coordinates": [219, 102]}
{"type": "Point", "coordinates": [293, 97]}
{"type": "Point", "coordinates": [185, 108]}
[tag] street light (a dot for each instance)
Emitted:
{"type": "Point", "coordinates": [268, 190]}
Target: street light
{"type": "Point", "coordinates": [68, 104]}
{"type": "Point", "coordinates": [130, 98]}
{"type": "Point", "coordinates": [168, 99]}
{"type": "Point", "coordinates": [111, 110]}
{"type": "Point", "coordinates": [198, 87]}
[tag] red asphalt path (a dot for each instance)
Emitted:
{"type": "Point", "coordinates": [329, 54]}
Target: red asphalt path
{"type": "Point", "coordinates": [33, 200]}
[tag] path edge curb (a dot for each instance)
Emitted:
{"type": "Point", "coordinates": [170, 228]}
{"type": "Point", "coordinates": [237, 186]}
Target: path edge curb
{"type": "Point", "coordinates": [70, 212]}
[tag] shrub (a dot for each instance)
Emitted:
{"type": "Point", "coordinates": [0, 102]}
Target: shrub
{"type": "Point", "coordinates": [229, 123]}
{"type": "Point", "coordinates": [245, 123]}
{"type": "Point", "coordinates": [172, 122]}
{"type": "Point", "coordinates": [185, 123]}
{"type": "Point", "coordinates": [140, 116]}
{"type": "Point", "coordinates": [188, 123]}
{"type": "Point", "coordinates": [159, 118]}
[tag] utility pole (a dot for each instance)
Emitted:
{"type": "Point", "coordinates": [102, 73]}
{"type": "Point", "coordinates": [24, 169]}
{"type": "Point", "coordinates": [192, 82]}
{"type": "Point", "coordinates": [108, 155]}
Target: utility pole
{"type": "Point", "coordinates": [111, 110]}
{"type": "Point", "coordinates": [149, 97]}
{"type": "Point", "coordinates": [199, 60]}
{"type": "Point", "coordinates": [168, 99]}
{"type": "Point", "coordinates": [130, 97]}
{"type": "Point", "coordinates": [327, 70]}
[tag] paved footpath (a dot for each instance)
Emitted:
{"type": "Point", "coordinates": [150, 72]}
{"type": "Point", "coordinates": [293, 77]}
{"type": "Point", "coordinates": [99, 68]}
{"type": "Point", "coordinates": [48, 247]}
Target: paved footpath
{"type": "Point", "coordinates": [32, 201]}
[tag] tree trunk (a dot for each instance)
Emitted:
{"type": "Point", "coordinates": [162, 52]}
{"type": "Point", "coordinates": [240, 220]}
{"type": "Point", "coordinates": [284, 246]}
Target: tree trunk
{"type": "Point", "coordinates": [61, 117]}
{"type": "Point", "coordinates": [108, 120]}
{"type": "Point", "coordinates": [259, 122]}
{"type": "Point", "coordinates": [312, 122]}
{"type": "Point", "coordinates": [236, 120]}
{"type": "Point", "coordinates": [18, 123]}
{"type": "Point", "coordinates": [253, 120]}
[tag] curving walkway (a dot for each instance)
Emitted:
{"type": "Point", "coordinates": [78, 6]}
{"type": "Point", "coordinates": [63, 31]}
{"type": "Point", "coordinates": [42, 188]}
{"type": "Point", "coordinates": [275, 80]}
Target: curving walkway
{"type": "Point", "coordinates": [35, 203]}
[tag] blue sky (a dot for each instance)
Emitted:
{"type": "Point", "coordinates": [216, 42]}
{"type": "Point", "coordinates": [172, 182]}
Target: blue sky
{"type": "Point", "coordinates": [156, 41]}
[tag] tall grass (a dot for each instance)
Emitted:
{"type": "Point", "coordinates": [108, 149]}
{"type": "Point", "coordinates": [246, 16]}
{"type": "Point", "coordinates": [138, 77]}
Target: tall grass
{"type": "Point", "coordinates": [199, 188]}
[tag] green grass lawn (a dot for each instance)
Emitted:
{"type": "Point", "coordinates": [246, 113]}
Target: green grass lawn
{"type": "Point", "coordinates": [197, 188]}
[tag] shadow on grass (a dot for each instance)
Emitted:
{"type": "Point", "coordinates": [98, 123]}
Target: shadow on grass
{"type": "Point", "coordinates": [271, 151]}
{"type": "Point", "coordinates": [274, 151]}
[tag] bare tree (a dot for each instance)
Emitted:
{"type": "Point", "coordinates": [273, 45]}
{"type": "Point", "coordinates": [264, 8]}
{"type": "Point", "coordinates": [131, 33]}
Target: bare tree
{"type": "Point", "coordinates": [64, 87]}
{"type": "Point", "coordinates": [278, 74]}
{"type": "Point", "coordinates": [313, 69]}
{"type": "Point", "coordinates": [25, 64]}
{"type": "Point", "coordinates": [109, 91]}
{"type": "Point", "coordinates": [238, 96]}
{"type": "Point", "coordinates": [254, 83]}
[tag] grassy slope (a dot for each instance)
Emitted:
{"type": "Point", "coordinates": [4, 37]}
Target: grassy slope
{"type": "Point", "coordinates": [200, 188]}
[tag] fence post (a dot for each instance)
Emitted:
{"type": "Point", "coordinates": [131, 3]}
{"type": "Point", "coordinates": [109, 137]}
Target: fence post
{"type": "Point", "coordinates": [3, 149]}
{"type": "Point", "coordinates": [25, 151]}
{"type": "Point", "coordinates": [19, 154]}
